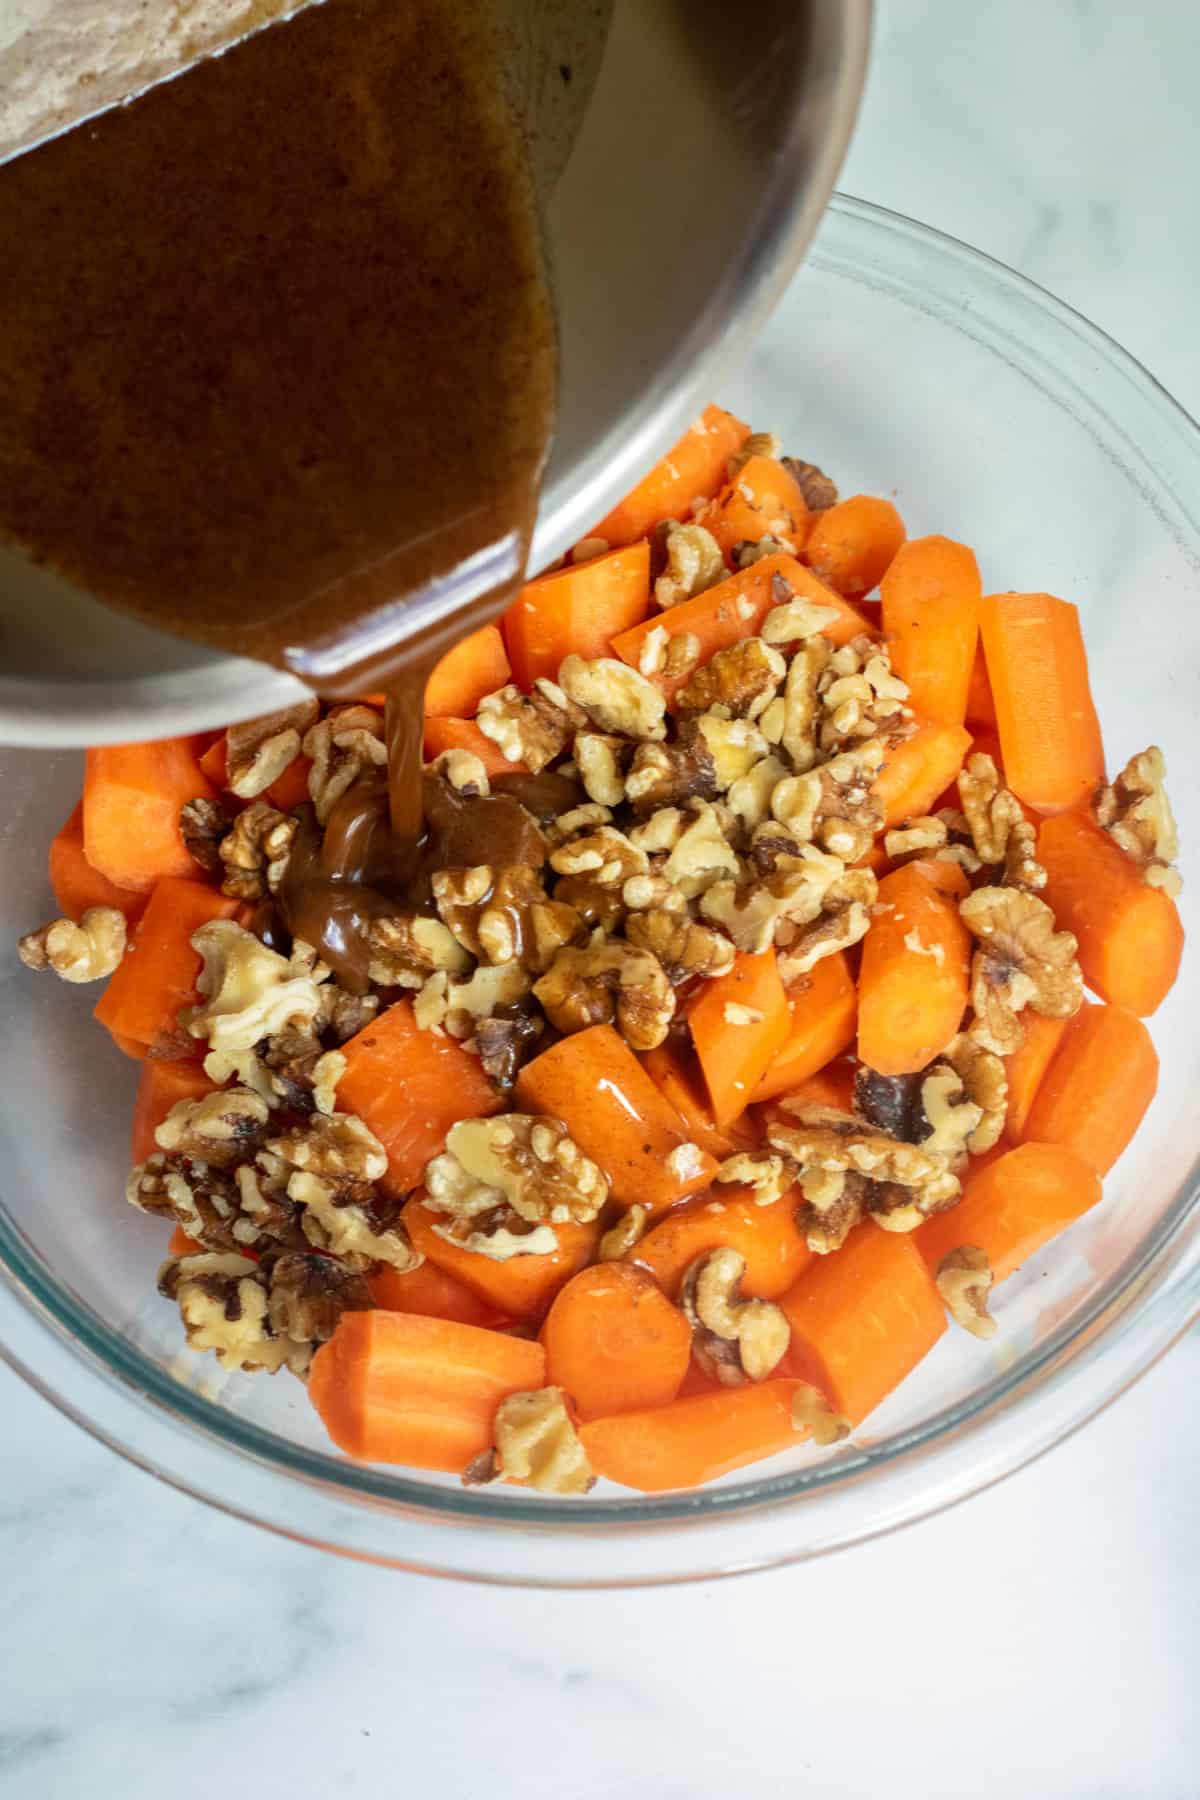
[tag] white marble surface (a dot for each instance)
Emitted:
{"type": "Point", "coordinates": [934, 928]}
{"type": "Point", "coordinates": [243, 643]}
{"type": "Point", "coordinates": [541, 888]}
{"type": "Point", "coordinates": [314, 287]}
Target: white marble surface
{"type": "Point", "coordinates": [1040, 1641]}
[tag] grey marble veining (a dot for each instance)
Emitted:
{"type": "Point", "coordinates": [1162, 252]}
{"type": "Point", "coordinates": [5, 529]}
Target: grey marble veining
{"type": "Point", "coordinates": [1040, 1641]}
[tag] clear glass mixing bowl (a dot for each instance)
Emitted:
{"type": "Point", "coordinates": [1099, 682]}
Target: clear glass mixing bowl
{"type": "Point", "coordinates": [902, 362]}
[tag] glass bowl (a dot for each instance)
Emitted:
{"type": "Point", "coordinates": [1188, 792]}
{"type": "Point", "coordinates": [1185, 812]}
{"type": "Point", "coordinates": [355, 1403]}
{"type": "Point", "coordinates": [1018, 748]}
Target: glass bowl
{"type": "Point", "coordinates": [902, 362]}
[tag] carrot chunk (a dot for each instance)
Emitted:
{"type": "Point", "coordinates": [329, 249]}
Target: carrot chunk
{"type": "Point", "coordinates": [739, 1024]}
{"type": "Point", "coordinates": [396, 1388]}
{"type": "Point", "coordinates": [767, 1236]}
{"type": "Point", "coordinates": [577, 610]}
{"type": "Point", "coordinates": [132, 796]}
{"type": "Point", "coordinates": [851, 545]}
{"type": "Point", "coordinates": [1130, 934]}
{"type": "Point", "coordinates": [822, 1013]}
{"type": "Point", "coordinates": [677, 1076]}
{"type": "Point", "coordinates": [931, 596]}
{"type": "Point", "coordinates": [862, 1319]}
{"type": "Point", "coordinates": [763, 500]}
{"type": "Point", "coordinates": [77, 885]}
{"type": "Point", "coordinates": [614, 1342]}
{"type": "Point", "coordinates": [981, 703]}
{"type": "Point", "coordinates": [595, 1084]}
{"type": "Point", "coordinates": [433, 1291]}
{"type": "Point", "coordinates": [157, 975]}
{"type": "Point", "coordinates": [693, 1440]}
{"type": "Point", "coordinates": [918, 769]}
{"type": "Point", "coordinates": [1049, 732]}
{"type": "Point", "coordinates": [1026, 1067]}
{"type": "Point", "coordinates": [162, 1085]}
{"type": "Point", "coordinates": [410, 1086]}
{"type": "Point", "coordinates": [1095, 1093]}
{"type": "Point", "coordinates": [475, 667]}
{"type": "Point", "coordinates": [693, 469]}
{"type": "Point", "coordinates": [914, 978]}
{"type": "Point", "coordinates": [521, 1287]}
{"type": "Point", "coordinates": [1013, 1206]}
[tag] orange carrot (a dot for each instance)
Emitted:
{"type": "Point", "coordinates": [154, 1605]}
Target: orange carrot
{"type": "Point", "coordinates": [1011, 1207]}
{"type": "Point", "coordinates": [132, 795]}
{"type": "Point", "coordinates": [851, 545]}
{"type": "Point", "coordinates": [822, 1010]}
{"type": "Point", "coordinates": [693, 1440]}
{"type": "Point", "coordinates": [1096, 1091]}
{"type": "Point", "coordinates": [763, 500]}
{"type": "Point", "coordinates": [832, 1086]}
{"type": "Point", "coordinates": [981, 704]}
{"type": "Point", "coordinates": [914, 979]}
{"type": "Point", "coordinates": [1026, 1067]}
{"type": "Point", "coordinates": [411, 1086]}
{"type": "Point", "coordinates": [434, 1292]}
{"type": "Point", "coordinates": [767, 1236]}
{"type": "Point", "coordinates": [1130, 934]}
{"type": "Point", "coordinates": [180, 1244]}
{"type": "Point", "coordinates": [931, 598]}
{"type": "Point", "coordinates": [594, 1083]}
{"type": "Point", "coordinates": [520, 1288]}
{"type": "Point", "coordinates": [162, 1084]}
{"type": "Point", "coordinates": [464, 734]}
{"type": "Point", "coordinates": [693, 469]}
{"type": "Point", "coordinates": [918, 769]}
{"type": "Point", "coordinates": [578, 609]}
{"type": "Point", "coordinates": [476, 666]}
{"type": "Point", "coordinates": [290, 789]}
{"type": "Point", "coordinates": [1053, 756]}
{"type": "Point", "coordinates": [214, 763]}
{"type": "Point", "coordinates": [736, 608]}
{"type": "Point", "coordinates": [614, 1342]}
{"type": "Point", "coordinates": [393, 1387]}
{"type": "Point", "coordinates": [739, 1023]}
{"type": "Point", "coordinates": [157, 975]}
{"type": "Point", "coordinates": [77, 885]}
{"type": "Point", "coordinates": [862, 1319]}
{"type": "Point", "coordinates": [677, 1077]}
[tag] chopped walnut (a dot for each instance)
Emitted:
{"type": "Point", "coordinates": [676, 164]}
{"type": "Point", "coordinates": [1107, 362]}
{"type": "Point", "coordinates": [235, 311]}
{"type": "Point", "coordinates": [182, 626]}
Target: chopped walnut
{"type": "Point", "coordinates": [673, 654]}
{"type": "Point", "coordinates": [905, 1183]}
{"type": "Point", "coordinates": [759, 443]}
{"type": "Point", "coordinates": [653, 893]}
{"type": "Point", "coordinates": [964, 1280]}
{"type": "Point", "coordinates": [606, 856]}
{"type": "Point", "coordinates": [88, 951]}
{"type": "Point", "coordinates": [735, 745]}
{"type": "Point", "coordinates": [342, 1015]}
{"type": "Point", "coordinates": [860, 696]}
{"type": "Point", "coordinates": [532, 729]}
{"type": "Point", "coordinates": [844, 919]}
{"type": "Point", "coordinates": [344, 747]}
{"type": "Point", "coordinates": [253, 856]}
{"type": "Point", "coordinates": [504, 1042]}
{"type": "Point", "coordinates": [206, 1203]}
{"type": "Point", "coordinates": [202, 825]}
{"type": "Point", "coordinates": [406, 949]}
{"type": "Point", "coordinates": [599, 759]}
{"type": "Point", "coordinates": [820, 493]}
{"type": "Point", "coordinates": [259, 750]}
{"type": "Point", "coordinates": [834, 805]}
{"type": "Point", "coordinates": [598, 908]}
{"type": "Point", "coordinates": [625, 1235]}
{"type": "Point", "coordinates": [526, 1163]}
{"type": "Point", "coordinates": [1021, 961]}
{"type": "Point", "coordinates": [504, 915]}
{"type": "Point", "coordinates": [1137, 815]}
{"type": "Point", "coordinates": [985, 1082]}
{"type": "Point", "coordinates": [753, 912]}
{"type": "Point", "coordinates": [998, 826]}
{"type": "Point", "coordinates": [537, 1443]}
{"type": "Point", "coordinates": [464, 771]}
{"type": "Point", "coordinates": [329, 1166]}
{"type": "Point", "coordinates": [247, 991]}
{"type": "Point", "coordinates": [578, 820]}
{"type": "Point", "coordinates": [339, 1147]}
{"type": "Point", "coordinates": [220, 1129]}
{"type": "Point", "coordinates": [733, 1340]}
{"type": "Point", "coordinates": [767, 1173]}
{"type": "Point", "coordinates": [812, 1414]}
{"type": "Point", "coordinates": [799, 708]}
{"type": "Point", "coordinates": [694, 564]}
{"type": "Point", "coordinates": [748, 551]}
{"type": "Point", "coordinates": [684, 948]}
{"type": "Point", "coordinates": [615, 697]}
{"type": "Point", "coordinates": [740, 681]}
{"type": "Point", "coordinates": [458, 1007]}
{"type": "Point", "coordinates": [327, 1071]}
{"type": "Point", "coordinates": [792, 620]}
{"type": "Point", "coordinates": [223, 1302]}
{"type": "Point", "coordinates": [702, 854]}
{"type": "Point", "coordinates": [307, 1294]}
{"type": "Point", "coordinates": [666, 775]}
{"type": "Point", "coordinates": [835, 1201]}
{"type": "Point", "coordinates": [749, 797]}
{"type": "Point", "coordinates": [607, 984]}
{"type": "Point", "coordinates": [916, 837]}
{"type": "Point", "coordinates": [951, 1115]}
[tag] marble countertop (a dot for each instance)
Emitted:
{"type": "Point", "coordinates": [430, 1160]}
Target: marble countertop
{"type": "Point", "coordinates": [1041, 1640]}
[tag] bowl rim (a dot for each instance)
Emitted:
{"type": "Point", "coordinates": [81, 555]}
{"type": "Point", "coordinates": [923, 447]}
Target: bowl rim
{"type": "Point", "coordinates": [746, 1523]}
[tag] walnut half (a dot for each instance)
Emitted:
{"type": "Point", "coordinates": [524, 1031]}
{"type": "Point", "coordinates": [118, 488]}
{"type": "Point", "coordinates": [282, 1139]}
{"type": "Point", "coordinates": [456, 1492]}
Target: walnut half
{"type": "Point", "coordinates": [89, 951]}
{"type": "Point", "coordinates": [537, 1443]}
{"type": "Point", "coordinates": [734, 1340]}
{"type": "Point", "coordinates": [516, 1160]}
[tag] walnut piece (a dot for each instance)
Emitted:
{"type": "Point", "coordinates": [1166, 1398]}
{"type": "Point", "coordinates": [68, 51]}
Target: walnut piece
{"type": "Point", "coordinates": [206, 1202]}
{"type": "Point", "coordinates": [1137, 815]}
{"type": "Point", "coordinates": [607, 984]}
{"type": "Point", "coordinates": [820, 493]}
{"type": "Point", "coordinates": [89, 951]}
{"type": "Point", "coordinates": [860, 696]}
{"type": "Point", "coordinates": [532, 729]}
{"type": "Point", "coordinates": [504, 1042]}
{"type": "Point", "coordinates": [464, 772]}
{"type": "Point", "coordinates": [537, 1443]}
{"type": "Point", "coordinates": [813, 1415]}
{"type": "Point", "coordinates": [202, 825]}
{"type": "Point", "coordinates": [328, 1167]}
{"type": "Point", "coordinates": [733, 1340]}
{"type": "Point", "coordinates": [685, 949]}
{"type": "Point", "coordinates": [253, 856]}
{"type": "Point", "coordinates": [673, 654]}
{"type": "Point", "coordinates": [906, 1183]}
{"type": "Point", "coordinates": [1022, 960]}
{"type": "Point", "coordinates": [504, 915]}
{"type": "Point", "coordinates": [984, 1080]}
{"type": "Point", "coordinates": [835, 1201]}
{"type": "Point", "coordinates": [407, 948]}
{"type": "Point", "coordinates": [844, 919]}
{"type": "Point", "coordinates": [247, 991]}
{"type": "Point", "coordinates": [307, 1294]}
{"type": "Point", "coordinates": [615, 697]}
{"type": "Point", "coordinates": [220, 1129]}
{"type": "Point", "coordinates": [834, 806]}
{"type": "Point", "coordinates": [951, 1116]}
{"type": "Point", "coordinates": [344, 747]}
{"type": "Point", "coordinates": [741, 679]}
{"type": "Point", "coordinates": [521, 1161]}
{"type": "Point", "coordinates": [759, 443]}
{"type": "Point", "coordinates": [694, 564]}
{"type": "Point", "coordinates": [259, 750]}
{"type": "Point", "coordinates": [599, 758]}
{"type": "Point", "coordinates": [666, 775]}
{"type": "Point", "coordinates": [702, 854]}
{"type": "Point", "coordinates": [606, 856]}
{"type": "Point", "coordinates": [625, 1235]}
{"type": "Point", "coordinates": [999, 829]}
{"type": "Point", "coordinates": [735, 746]}
{"type": "Point", "coordinates": [458, 1007]}
{"type": "Point", "coordinates": [752, 912]}
{"type": "Point", "coordinates": [964, 1280]}
{"type": "Point", "coordinates": [224, 1304]}
{"type": "Point", "coordinates": [768, 1174]}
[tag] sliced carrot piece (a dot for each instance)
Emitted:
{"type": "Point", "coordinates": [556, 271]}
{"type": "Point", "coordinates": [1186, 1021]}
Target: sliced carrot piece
{"type": "Point", "coordinates": [434, 1292]}
{"type": "Point", "coordinates": [767, 1236]}
{"type": "Point", "coordinates": [1026, 1067]}
{"type": "Point", "coordinates": [736, 608]}
{"type": "Point", "coordinates": [397, 1388]}
{"type": "Point", "coordinates": [981, 703]}
{"type": "Point", "coordinates": [851, 545]}
{"type": "Point", "coordinates": [1130, 934]}
{"type": "Point", "coordinates": [693, 1440]}
{"type": "Point", "coordinates": [682, 1086]}
{"type": "Point", "coordinates": [476, 666]}
{"type": "Point", "coordinates": [693, 469]}
{"type": "Point", "coordinates": [822, 1013]}
{"type": "Point", "coordinates": [577, 610]}
{"type": "Point", "coordinates": [162, 1084]}
{"type": "Point", "coordinates": [157, 975]}
{"type": "Point", "coordinates": [862, 1319]}
{"type": "Point", "coordinates": [918, 769]}
{"type": "Point", "coordinates": [594, 1083]}
{"type": "Point", "coordinates": [77, 885]}
{"type": "Point", "coordinates": [464, 734]}
{"type": "Point", "coordinates": [1011, 1207]}
{"type": "Point", "coordinates": [931, 595]}
{"type": "Point", "coordinates": [615, 1342]}
{"type": "Point", "coordinates": [1037, 665]}
{"type": "Point", "coordinates": [215, 762]}
{"type": "Point", "coordinates": [764, 499]}
{"type": "Point", "coordinates": [290, 789]}
{"type": "Point", "coordinates": [411, 1086]}
{"type": "Point", "coordinates": [832, 1086]}
{"type": "Point", "coordinates": [520, 1288]}
{"type": "Point", "coordinates": [914, 978]}
{"type": "Point", "coordinates": [132, 796]}
{"type": "Point", "coordinates": [739, 1024]}
{"type": "Point", "coordinates": [1100, 1082]}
